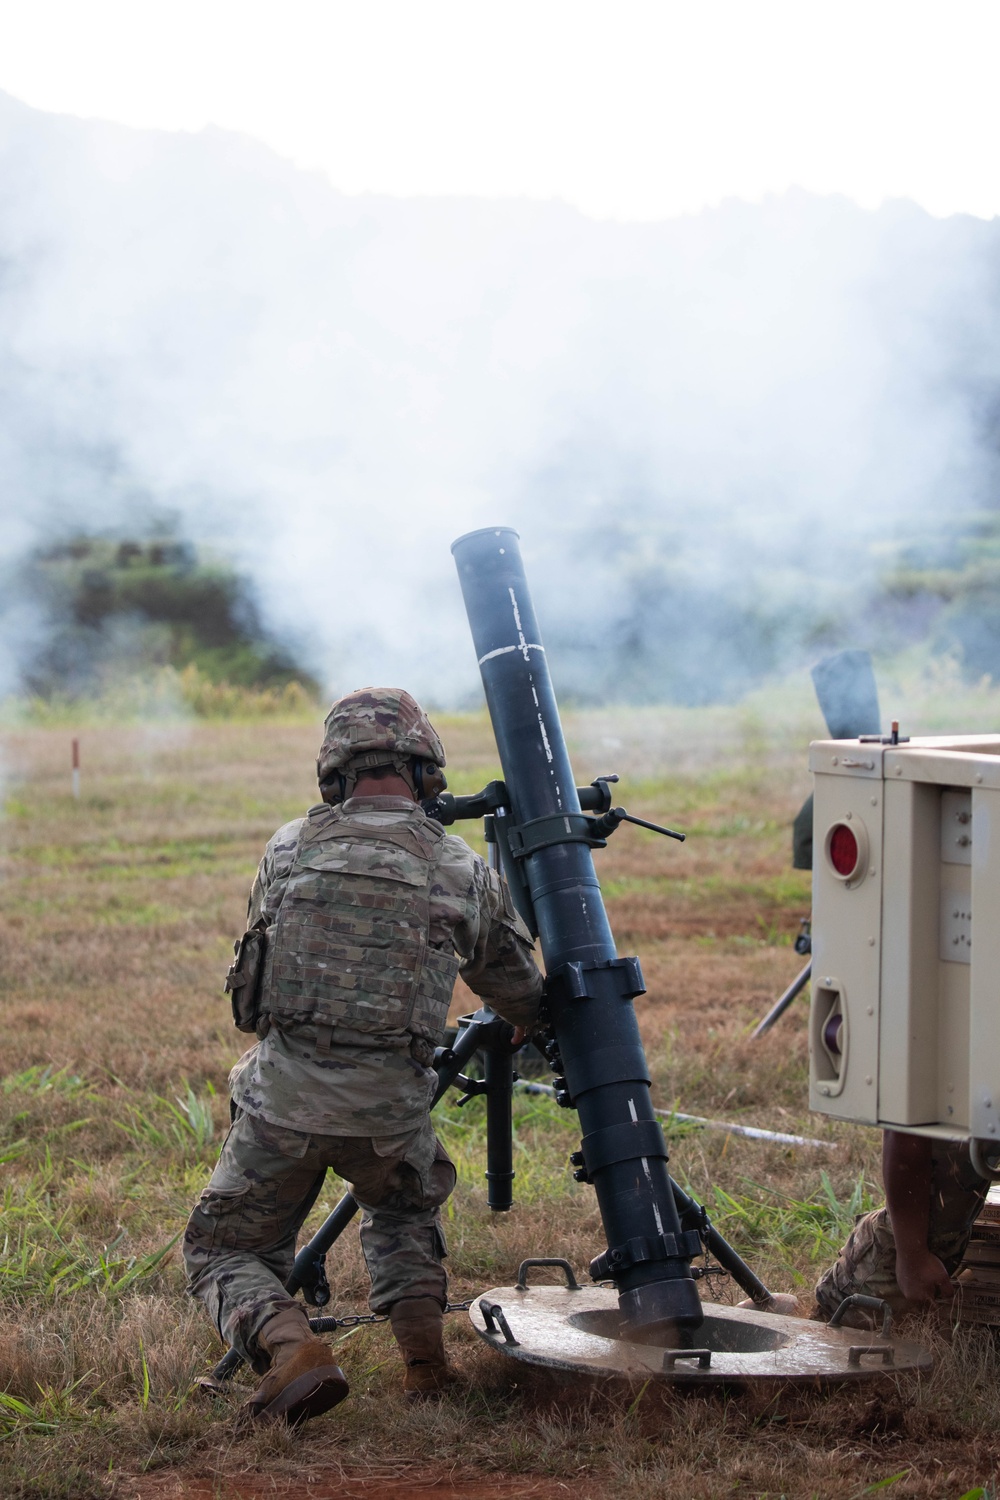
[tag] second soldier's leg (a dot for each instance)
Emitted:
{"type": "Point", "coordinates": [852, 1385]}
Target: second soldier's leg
{"type": "Point", "coordinates": [866, 1265]}
{"type": "Point", "coordinates": [239, 1244]}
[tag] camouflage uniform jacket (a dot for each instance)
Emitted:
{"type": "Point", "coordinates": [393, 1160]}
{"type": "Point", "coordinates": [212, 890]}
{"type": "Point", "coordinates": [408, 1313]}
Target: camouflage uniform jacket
{"type": "Point", "coordinates": [371, 1085]}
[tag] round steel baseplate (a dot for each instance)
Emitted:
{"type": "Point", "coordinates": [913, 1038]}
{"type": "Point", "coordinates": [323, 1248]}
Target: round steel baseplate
{"type": "Point", "coordinates": [576, 1331]}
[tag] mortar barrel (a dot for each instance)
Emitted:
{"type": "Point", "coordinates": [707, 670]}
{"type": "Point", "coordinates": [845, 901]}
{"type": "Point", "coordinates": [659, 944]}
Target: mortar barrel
{"type": "Point", "coordinates": [590, 989]}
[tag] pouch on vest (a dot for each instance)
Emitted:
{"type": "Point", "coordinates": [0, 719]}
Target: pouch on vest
{"type": "Point", "coordinates": [246, 972]}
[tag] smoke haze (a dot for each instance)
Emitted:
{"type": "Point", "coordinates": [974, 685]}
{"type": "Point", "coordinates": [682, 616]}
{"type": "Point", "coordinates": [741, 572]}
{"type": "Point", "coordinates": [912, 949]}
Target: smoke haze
{"type": "Point", "coordinates": [711, 432]}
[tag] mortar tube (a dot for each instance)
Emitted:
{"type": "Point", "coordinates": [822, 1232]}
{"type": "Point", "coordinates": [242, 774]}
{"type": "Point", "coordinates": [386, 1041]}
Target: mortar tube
{"type": "Point", "coordinates": [589, 991]}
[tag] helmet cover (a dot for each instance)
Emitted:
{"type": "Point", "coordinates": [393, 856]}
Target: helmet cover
{"type": "Point", "coordinates": [376, 726]}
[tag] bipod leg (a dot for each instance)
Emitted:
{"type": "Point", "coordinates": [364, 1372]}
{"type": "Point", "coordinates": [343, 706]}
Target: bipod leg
{"type": "Point", "coordinates": [693, 1216]}
{"type": "Point", "coordinates": [499, 1074]}
{"type": "Point", "coordinates": [448, 1063]}
{"type": "Point", "coordinates": [780, 1006]}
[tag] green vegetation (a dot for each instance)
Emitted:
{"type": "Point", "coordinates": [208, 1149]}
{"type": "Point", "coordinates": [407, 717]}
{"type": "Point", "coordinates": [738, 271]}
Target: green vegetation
{"type": "Point", "coordinates": [155, 620]}
{"type": "Point", "coordinates": [952, 587]}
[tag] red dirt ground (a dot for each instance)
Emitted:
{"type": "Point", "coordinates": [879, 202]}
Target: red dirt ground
{"type": "Point", "coordinates": [425, 1486]}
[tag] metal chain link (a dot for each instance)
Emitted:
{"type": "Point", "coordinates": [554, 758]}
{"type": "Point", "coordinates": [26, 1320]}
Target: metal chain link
{"type": "Point", "coordinates": [355, 1320]}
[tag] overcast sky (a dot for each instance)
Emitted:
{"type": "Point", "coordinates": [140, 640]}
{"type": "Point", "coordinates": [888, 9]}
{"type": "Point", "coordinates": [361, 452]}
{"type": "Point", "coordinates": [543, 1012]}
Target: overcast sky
{"type": "Point", "coordinates": [632, 109]}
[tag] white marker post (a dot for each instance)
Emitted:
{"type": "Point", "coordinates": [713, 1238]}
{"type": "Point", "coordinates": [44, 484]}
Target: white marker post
{"type": "Point", "coordinates": [76, 769]}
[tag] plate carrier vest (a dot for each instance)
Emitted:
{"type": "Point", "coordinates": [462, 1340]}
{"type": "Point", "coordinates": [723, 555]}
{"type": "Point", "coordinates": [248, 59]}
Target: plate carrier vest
{"type": "Point", "coordinates": [350, 946]}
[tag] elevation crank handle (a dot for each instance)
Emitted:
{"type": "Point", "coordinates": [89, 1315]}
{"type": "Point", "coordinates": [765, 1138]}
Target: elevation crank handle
{"type": "Point", "coordinates": [617, 815]}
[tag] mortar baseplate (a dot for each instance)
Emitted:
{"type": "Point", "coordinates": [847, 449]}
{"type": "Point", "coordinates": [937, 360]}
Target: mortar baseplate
{"type": "Point", "coordinates": [576, 1331]}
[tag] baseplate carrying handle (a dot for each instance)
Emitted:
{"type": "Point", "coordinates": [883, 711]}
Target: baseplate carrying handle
{"type": "Point", "coordinates": [869, 1304]}
{"type": "Point", "coordinates": [857, 1352]}
{"type": "Point", "coordinates": [673, 1357]}
{"type": "Point", "coordinates": [493, 1316]}
{"type": "Point", "coordinates": [521, 1284]}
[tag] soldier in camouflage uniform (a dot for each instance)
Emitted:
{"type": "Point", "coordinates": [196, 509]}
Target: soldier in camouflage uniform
{"type": "Point", "coordinates": [369, 910]}
{"type": "Point", "coordinates": [907, 1252]}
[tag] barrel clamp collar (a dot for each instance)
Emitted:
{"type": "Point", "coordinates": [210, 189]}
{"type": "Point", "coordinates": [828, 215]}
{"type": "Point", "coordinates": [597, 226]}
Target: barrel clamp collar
{"type": "Point", "coordinates": [525, 839]}
{"type": "Point", "coordinates": [615, 979]}
{"type": "Point", "coordinates": [642, 1249]}
{"type": "Point", "coordinates": [580, 981]}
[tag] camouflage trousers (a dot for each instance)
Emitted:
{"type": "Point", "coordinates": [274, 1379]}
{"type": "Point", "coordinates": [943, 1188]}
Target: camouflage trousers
{"type": "Point", "coordinates": [239, 1244]}
{"type": "Point", "coordinates": [867, 1264]}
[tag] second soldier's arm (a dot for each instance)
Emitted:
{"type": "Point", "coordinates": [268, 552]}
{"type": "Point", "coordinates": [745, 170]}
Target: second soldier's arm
{"type": "Point", "coordinates": [906, 1171]}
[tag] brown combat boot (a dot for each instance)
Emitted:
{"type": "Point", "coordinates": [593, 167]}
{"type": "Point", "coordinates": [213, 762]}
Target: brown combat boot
{"type": "Point", "coordinates": [303, 1380]}
{"type": "Point", "coordinates": [418, 1326]}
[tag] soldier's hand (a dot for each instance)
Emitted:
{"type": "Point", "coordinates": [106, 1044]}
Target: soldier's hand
{"type": "Point", "coordinates": [922, 1278]}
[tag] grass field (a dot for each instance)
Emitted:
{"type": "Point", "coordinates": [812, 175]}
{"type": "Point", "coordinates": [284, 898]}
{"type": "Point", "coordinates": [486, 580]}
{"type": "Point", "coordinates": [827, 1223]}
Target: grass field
{"type": "Point", "coordinates": [118, 916]}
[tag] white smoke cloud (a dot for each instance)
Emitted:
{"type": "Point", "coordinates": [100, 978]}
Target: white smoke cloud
{"type": "Point", "coordinates": [741, 405]}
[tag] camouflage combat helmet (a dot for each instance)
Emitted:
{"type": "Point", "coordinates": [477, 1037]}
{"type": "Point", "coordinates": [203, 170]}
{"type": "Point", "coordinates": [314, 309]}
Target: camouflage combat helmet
{"type": "Point", "coordinates": [372, 727]}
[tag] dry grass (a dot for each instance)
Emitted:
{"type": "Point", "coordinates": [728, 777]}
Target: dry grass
{"type": "Point", "coordinates": [118, 916]}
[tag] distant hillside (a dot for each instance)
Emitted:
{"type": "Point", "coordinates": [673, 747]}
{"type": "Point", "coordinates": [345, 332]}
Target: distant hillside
{"type": "Point", "coordinates": [718, 435]}
{"type": "Point", "coordinates": [112, 607]}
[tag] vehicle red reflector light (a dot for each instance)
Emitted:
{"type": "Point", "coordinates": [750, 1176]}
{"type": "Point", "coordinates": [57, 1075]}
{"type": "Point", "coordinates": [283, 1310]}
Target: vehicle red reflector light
{"type": "Point", "coordinates": [843, 850]}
